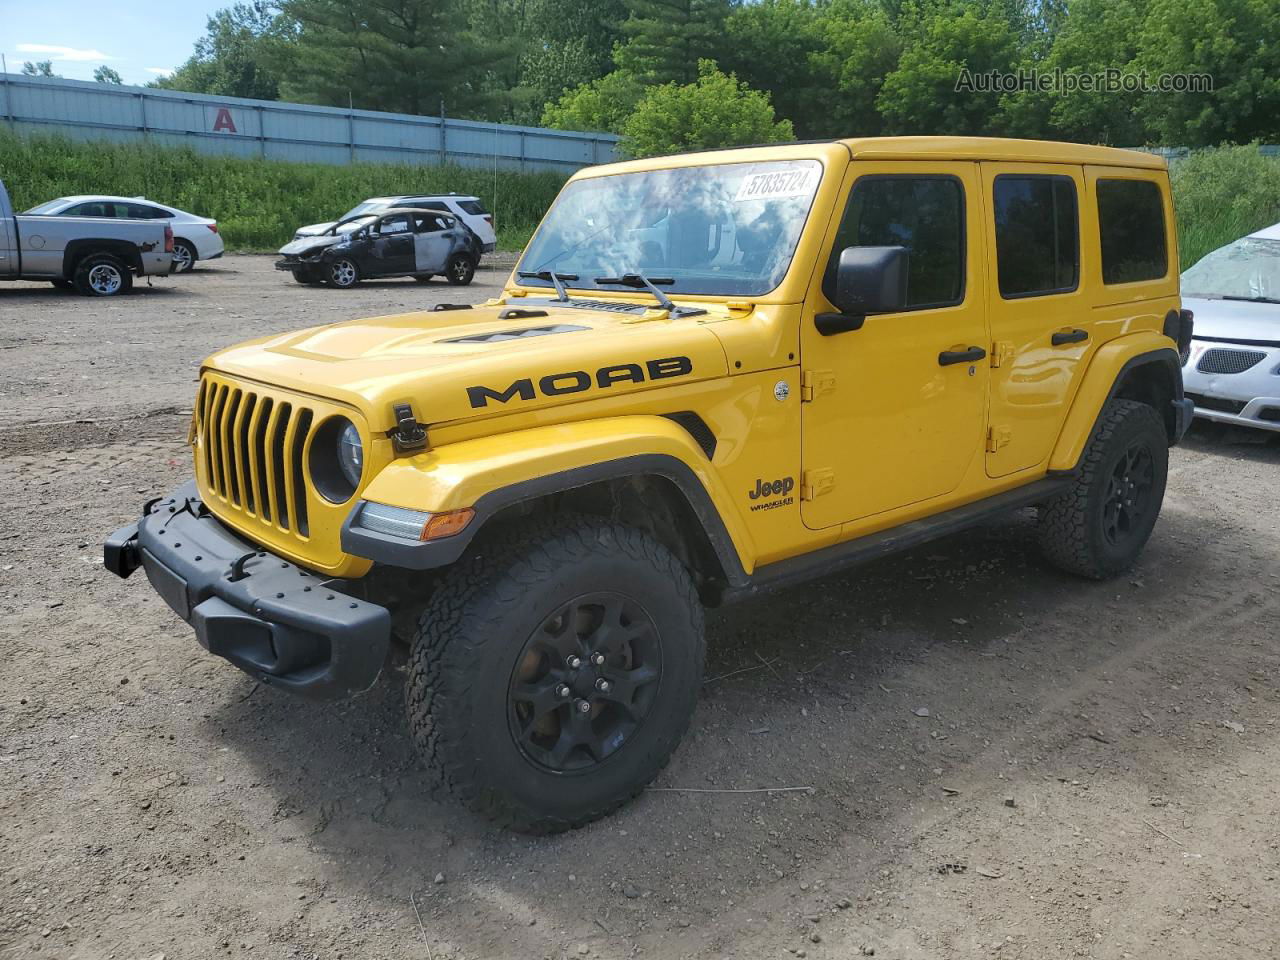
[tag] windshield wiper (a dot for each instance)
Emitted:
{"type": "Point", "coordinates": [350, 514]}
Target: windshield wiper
{"type": "Point", "coordinates": [556, 280]}
{"type": "Point", "coordinates": [639, 281]}
{"type": "Point", "coordinates": [1227, 296]}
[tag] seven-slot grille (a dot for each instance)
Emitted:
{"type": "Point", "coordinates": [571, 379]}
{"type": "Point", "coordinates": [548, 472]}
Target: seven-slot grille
{"type": "Point", "coordinates": [1221, 360]}
{"type": "Point", "coordinates": [252, 452]}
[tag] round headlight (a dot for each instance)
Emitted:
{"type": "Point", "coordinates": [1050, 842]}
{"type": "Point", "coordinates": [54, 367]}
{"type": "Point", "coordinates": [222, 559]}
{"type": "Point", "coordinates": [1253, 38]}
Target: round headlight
{"type": "Point", "coordinates": [337, 459]}
{"type": "Point", "coordinates": [351, 454]}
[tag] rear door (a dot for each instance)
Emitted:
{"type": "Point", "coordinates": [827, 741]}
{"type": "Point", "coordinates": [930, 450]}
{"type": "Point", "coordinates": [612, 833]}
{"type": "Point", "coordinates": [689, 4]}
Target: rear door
{"type": "Point", "coordinates": [432, 242]}
{"type": "Point", "coordinates": [391, 249]}
{"type": "Point", "coordinates": [893, 412]}
{"type": "Point", "coordinates": [1041, 323]}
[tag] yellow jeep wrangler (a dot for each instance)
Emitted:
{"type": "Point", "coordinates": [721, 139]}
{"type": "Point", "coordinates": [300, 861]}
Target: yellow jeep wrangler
{"type": "Point", "coordinates": [709, 375]}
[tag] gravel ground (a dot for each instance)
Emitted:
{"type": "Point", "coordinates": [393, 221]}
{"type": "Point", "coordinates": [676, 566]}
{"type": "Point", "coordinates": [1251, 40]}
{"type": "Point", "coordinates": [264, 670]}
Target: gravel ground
{"type": "Point", "coordinates": [1003, 761]}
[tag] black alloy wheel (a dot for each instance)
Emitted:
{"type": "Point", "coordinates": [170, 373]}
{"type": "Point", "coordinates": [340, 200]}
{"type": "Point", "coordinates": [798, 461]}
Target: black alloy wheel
{"type": "Point", "coordinates": [584, 682]}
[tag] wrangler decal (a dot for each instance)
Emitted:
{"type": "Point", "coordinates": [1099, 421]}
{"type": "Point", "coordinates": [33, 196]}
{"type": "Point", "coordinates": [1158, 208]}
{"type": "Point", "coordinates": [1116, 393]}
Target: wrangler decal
{"type": "Point", "coordinates": [575, 381]}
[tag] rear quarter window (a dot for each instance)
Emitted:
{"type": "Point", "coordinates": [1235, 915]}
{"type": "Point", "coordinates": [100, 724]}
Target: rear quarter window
{"type": "Point", "coordinates": [473, 208]}
{"type": "Point", "coordinates": [1131, 225]}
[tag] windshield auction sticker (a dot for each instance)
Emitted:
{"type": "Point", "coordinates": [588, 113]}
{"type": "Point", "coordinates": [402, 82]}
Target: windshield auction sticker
{"type": "Point", "coordinates": [794, 182]}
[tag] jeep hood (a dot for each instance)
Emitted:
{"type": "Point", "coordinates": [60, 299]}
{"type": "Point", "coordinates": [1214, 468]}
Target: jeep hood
{"type": "Point", "coordinates": [459, 364]}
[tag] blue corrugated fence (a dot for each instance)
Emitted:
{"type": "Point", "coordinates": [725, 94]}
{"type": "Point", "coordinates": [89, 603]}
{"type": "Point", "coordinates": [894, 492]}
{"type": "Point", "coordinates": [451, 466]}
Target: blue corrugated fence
{"type": "Point", "coordinates": [295, 132]}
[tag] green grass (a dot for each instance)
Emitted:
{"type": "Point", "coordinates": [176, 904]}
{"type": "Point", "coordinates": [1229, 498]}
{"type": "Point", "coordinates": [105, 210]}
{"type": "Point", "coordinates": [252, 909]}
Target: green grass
{"type": "Point", "coordinates": [257, 203]}
{"type": "Point", "coordinates": [1221, 195]}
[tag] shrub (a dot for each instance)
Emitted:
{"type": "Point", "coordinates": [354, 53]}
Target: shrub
{"type": "Point", "coordinates": [1223, 194]}
{"type": "Point", "coordinates": [257, 203]}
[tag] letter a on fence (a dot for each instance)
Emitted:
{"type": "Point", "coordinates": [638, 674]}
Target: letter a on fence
{"type": "Point", "coordinates": [224, 121]}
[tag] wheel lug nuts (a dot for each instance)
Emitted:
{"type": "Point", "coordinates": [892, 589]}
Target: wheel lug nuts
{"type": "Point", "coordinates": [574, 662]}
{"type": "Point", "coordinates": [563, 690]}
{"type": "Point", "coordinates": [603, 685]}
{"type": "Point", "coordinates": [598, 659]}
{"type": "Point", "coordinates": [582, 706]}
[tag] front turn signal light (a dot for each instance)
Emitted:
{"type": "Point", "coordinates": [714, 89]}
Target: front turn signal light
{"type": "Point", "coordinates": [443, 525]}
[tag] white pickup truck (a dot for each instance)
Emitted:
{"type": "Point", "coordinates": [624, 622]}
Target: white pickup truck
{"type": "Point", "coordinates": [95, 257]}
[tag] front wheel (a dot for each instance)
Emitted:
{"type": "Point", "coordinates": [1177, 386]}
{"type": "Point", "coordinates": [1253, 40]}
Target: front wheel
{"type": "Point", "coordinates": [460, 270]}
{"type": "Point", "coordinates": [102, 275]}
{"type": "Point", "coordinates": [1098, 527]}
{"type": "Point", "coordinates": [554, 670]}
{"type": "Point", "coordinates": [342, 274]}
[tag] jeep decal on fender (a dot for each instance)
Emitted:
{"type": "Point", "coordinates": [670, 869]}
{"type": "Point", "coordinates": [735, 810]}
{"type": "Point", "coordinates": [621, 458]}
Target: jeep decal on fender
{"type": "Point", "coordinates": [772, 488]}
{"type": "Point", "coordinates": [575, 381]}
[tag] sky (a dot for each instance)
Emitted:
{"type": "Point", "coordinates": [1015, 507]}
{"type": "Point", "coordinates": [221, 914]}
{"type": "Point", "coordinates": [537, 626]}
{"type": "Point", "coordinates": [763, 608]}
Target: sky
{"type": "Point", "coordinates": [139, 39]}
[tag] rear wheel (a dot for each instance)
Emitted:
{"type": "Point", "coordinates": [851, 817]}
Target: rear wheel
{"type": "Point", "coordinates": [342, 273]}
{"type": "Point", "coordinates": [1098, 528]}
{"type": "Point", "coordinates": [554, 671]}
{"type": "Point", "coordinates": [460, 270]}
{"type": "Point", "coordinates": [184, 256]}
{"type": "Point", "coordinates": [102, 275]}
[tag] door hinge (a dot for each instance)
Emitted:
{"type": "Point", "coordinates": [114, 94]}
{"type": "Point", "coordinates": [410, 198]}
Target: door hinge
{"type": "Point", "coordinates": [998, 437]}
{"type": "Point", "coordinates": [814, 483]}
{"type": "Point", "coordinates": [1001, 353]}
{"type": "Point", "coordinates": [814, 383]}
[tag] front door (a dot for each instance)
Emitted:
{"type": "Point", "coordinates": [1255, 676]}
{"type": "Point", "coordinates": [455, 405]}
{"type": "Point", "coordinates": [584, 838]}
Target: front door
{"type": "Point", "coordinates": [1040, 322]}
{"type": "Point", "coordinates": [893, 413]}
{"type": "Point", "coordinates": [391, 251]}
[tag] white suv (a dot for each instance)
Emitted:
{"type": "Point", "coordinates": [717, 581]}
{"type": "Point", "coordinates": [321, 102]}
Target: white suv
{"type": "Point", "coordinates": [467, 209]}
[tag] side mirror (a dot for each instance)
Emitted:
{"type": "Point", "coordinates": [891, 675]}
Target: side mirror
{"type": "Point", "coordinates": [868, 280]}
{"type": "Point", "coordinates": [871, 280]}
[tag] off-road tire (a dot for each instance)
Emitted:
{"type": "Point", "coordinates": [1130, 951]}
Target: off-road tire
{"type": "Point", "coordinates": [91, 284]}
{"type": "Point", "coordinates": [1073, 526]}
{"type": "Point", "coordinates": [473, 631]}
{"type": "Point", "coordinates": [460, 270]}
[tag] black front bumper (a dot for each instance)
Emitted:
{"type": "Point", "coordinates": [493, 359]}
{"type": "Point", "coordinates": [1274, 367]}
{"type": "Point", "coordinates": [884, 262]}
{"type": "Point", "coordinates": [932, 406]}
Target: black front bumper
{"type": "Point", "coordinates": [281, 624]}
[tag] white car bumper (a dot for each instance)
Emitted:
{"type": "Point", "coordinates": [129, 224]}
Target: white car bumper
{"type": "Point", "coordinates": [1234, 382]}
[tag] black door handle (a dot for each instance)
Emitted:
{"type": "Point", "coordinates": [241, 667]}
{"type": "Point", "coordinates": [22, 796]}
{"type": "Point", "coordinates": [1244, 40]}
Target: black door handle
{"type": "Point", "coordinates": [1074, 336]}
{"type": "Point", "coordinates": [947, 357]}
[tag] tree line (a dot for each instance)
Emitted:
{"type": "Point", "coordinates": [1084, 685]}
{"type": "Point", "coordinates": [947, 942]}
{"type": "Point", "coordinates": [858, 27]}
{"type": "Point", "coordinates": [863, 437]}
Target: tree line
{"type": "Point", "coordinates": [681, 74]}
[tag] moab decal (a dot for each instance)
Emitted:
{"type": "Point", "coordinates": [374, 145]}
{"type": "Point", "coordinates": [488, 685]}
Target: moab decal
{"type": "Point", "coordinates": [575, 381]}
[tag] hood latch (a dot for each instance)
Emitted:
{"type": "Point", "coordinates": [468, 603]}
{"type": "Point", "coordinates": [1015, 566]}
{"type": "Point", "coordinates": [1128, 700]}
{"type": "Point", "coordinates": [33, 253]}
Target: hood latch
{"type": "Point", "coordinates": [408, 434]}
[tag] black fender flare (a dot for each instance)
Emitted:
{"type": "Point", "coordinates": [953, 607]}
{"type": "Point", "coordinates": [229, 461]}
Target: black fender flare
{"type": "Point", "coordinates": [411, 555]}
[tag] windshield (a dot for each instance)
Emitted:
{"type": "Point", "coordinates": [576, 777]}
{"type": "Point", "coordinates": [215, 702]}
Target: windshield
{"type": "Point", "coordinates": [369, 206]}
{"type": "Point", "coordinates": [47, 207]}
{"type": "Point", "coordinates": [729, 229]}
{"type": "Point", "coordinates": [348, 226]}
{"type": "Point", "coordinates": [1247, 269]}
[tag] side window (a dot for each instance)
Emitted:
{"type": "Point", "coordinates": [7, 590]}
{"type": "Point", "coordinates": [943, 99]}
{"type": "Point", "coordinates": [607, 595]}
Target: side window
{"type": "Point", "coordinates": [92, 208]}
{"type": "Point", "coordinates": [140, 211]}
{"type": "Point", "coordinates": [1037, 235]}
{"type": "Point", "coordinates": [473, 208]}
{"type": "Point", "coordinates": [397, 224]}
{"type": "Point", "coordinates": [925, 214]}
{"type": "Point", "coordinates": [1131, 224]}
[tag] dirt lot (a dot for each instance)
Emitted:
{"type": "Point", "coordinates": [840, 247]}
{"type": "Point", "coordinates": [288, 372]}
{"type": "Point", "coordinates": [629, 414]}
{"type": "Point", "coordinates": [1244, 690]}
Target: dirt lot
{"type": "Point", "coordinates": [1004, 762]}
